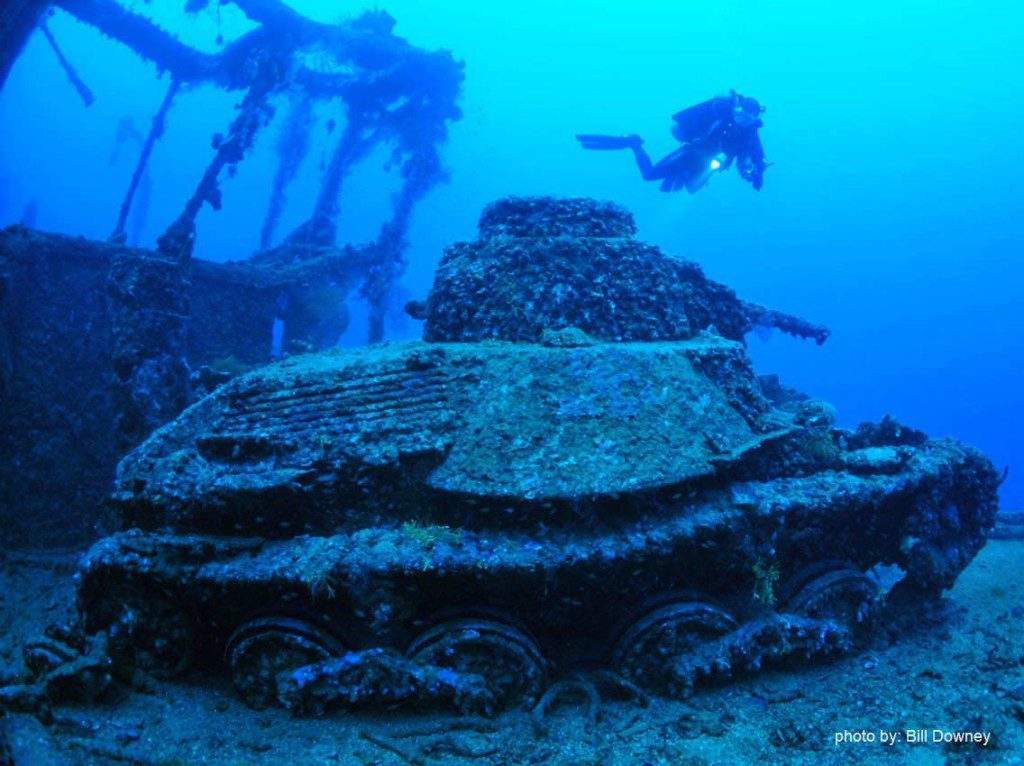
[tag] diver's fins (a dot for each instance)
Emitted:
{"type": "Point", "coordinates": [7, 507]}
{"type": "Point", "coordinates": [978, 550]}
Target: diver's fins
{"type": "Point", "coordinates": [589, 141]}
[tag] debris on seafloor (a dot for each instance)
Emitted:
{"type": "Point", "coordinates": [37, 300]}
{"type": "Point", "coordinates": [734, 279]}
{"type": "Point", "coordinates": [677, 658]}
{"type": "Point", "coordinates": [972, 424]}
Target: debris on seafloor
{"type": "Point", "coordinates": [65, 668]}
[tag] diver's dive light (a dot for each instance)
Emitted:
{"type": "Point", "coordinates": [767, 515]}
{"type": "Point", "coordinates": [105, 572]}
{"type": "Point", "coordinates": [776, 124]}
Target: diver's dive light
{"type": "Point", "coordinates": [716, 164]}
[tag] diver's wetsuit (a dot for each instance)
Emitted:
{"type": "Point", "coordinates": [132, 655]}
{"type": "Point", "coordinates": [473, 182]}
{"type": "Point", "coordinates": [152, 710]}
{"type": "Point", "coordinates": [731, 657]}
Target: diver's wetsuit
{"type": "Point", "coordinates": [714, 133]}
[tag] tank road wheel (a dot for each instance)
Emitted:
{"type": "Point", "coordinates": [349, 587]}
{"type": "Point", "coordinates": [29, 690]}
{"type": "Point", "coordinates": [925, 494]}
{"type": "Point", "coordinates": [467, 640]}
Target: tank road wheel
{"type": "Point", "coordinates": [648, 648]}
{"type": "Point", "coordinates": [801, 577]}
{"type": "Point", "coordinates": [510, 661]}
{"type": "Point", "coordinates": [832, 590]}
{"type": "Point", "coordinates": [263, 647]}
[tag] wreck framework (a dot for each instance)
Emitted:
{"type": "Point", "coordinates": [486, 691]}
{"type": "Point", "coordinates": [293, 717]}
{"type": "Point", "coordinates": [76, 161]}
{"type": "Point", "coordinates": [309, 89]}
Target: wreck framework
{"type": "Point", "coordinates": [143, 303]}
{"type": "Point", "coordinates": [393, 93]}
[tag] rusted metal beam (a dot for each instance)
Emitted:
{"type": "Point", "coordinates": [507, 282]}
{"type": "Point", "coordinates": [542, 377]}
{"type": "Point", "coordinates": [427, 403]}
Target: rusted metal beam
{"type": "Point", "coordinates": [18, 18]}
{"type": "Point", "coordinates": [69, 70]}
{"type": "Point", "coordinates": [145, 38]}
{"type": "Point", "coordinates": [155, 131]}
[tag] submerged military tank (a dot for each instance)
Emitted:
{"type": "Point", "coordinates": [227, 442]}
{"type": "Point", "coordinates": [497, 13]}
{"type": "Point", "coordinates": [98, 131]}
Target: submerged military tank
{"type": "Point", "coordinates": [578, 468]}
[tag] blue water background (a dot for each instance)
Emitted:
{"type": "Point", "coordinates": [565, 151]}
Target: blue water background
{"type": "Point", "coordinates": [893, 212]}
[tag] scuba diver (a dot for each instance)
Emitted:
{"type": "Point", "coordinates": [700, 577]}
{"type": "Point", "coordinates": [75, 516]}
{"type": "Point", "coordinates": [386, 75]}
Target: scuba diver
{"type": "Point", "coordinates": [714, 134]}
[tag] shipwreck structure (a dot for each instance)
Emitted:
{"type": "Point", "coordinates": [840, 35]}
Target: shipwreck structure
{"type": "Point", "coordinates": [157, 320]}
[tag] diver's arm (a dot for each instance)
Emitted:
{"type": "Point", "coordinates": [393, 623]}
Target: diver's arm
{"type": "Point", "coordinates": [750, 161]}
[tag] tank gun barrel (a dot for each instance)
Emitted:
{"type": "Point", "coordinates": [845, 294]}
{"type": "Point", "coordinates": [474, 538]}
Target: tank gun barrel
{"type": "Point", "coordinates": [759, 316]}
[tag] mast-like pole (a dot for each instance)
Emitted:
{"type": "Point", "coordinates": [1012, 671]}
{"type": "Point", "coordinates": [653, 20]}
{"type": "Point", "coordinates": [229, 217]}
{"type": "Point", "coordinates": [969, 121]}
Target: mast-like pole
{"type": "Point", "coordinates": [155, 131]}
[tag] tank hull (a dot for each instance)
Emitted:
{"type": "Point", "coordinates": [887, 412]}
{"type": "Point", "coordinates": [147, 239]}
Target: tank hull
{"type": "Point", "coordinates": [574, 591]}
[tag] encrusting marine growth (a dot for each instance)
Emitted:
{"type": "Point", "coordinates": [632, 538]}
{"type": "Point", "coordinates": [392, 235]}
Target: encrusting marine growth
{"type": "Point", "coordinates": [562, 477]}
